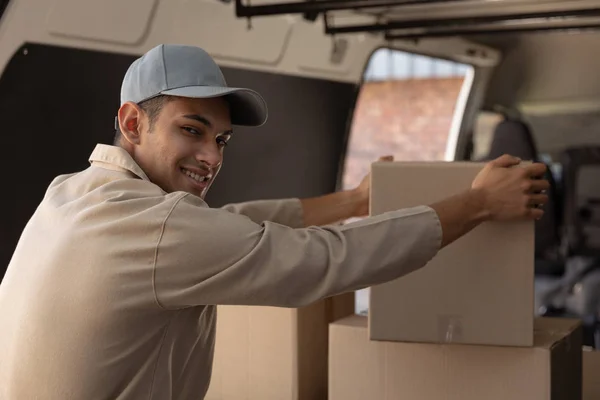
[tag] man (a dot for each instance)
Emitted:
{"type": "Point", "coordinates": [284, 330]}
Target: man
{"type": "Point", "coordinates": [112, 288]}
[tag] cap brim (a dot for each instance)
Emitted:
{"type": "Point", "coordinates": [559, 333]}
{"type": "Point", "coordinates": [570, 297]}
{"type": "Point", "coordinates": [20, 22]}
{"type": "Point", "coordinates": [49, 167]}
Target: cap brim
{"type": "Point", "coordinates": [247, 107]}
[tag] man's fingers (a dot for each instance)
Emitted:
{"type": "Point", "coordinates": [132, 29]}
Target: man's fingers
{"type": "Point", "coordinates": [538, 199]}
{"type": "Point", "coordinates": [539, 185]}
{"type": "Point", "coordinates": [536, 213]}
{"type": "Point", "coordinates": [505, 161]}
{"type": "Point", "coordinates": [536, 169]}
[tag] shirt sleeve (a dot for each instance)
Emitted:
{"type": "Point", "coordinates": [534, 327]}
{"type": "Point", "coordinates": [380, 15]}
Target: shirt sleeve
{"type": "Point", "coordinates": [211, 256]}
{"type": "Point", "coordinates": [287, 212]}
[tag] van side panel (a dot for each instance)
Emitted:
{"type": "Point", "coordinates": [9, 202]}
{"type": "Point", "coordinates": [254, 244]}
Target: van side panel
{"type": "Point", "coordinates": [56, 103]}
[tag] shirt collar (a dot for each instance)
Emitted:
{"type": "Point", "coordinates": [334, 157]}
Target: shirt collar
{"type": "Point", "coordinates": [114, 157]}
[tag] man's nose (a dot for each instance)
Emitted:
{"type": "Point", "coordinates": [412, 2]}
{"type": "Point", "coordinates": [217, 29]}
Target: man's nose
{"type": "Point", "coordinates": [210, 155]}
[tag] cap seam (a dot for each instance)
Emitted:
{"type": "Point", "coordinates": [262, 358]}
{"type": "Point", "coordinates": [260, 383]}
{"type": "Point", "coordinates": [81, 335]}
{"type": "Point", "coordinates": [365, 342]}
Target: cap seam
{"type": "Point", "coordinates": [212, 86]}
{"type": "Point", "coordinates": [162, 54]}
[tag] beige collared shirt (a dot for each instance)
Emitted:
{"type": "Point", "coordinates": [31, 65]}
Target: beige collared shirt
{"type": "Point", "coordinates": [110, 293]}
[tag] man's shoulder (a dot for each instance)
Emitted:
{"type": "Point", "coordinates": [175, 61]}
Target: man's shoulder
{"type": "Point", "coordinates": [61, 178]}
{"type": "Point", "coordinates": [94, 186]}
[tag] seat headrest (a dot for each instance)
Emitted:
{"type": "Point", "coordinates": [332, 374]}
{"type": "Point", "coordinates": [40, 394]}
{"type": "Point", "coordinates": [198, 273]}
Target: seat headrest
{"type": "Point", "coordinates": [514, 138]}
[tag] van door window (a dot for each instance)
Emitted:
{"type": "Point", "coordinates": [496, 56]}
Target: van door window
{"type": "Point", "coordinates": [405, 108]}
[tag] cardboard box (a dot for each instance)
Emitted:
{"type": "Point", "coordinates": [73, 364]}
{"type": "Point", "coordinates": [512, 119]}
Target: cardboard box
{"type": "Point", "coordinates": [591, 375]}
{"type": "Point", "coordinates": [477, 290]}
{"type": "Point", "coordinates": [272, 353]}
{"type": "Point", "coordinates": [363, 369]}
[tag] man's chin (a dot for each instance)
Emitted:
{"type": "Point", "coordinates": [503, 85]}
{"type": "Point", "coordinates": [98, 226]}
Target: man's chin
{"type": "Point", "coordinates": [197, 189]}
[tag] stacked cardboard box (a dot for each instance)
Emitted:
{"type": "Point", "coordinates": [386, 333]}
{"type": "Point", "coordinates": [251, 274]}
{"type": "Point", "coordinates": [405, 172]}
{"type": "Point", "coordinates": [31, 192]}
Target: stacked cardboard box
{"type": "Point", "coordinates": [463, 327]}
{"type": "Point", "coordinates": [591, 374]}
{"type": "Point", "coordinates": [272, 353]}
{"type": "Point", "coordinates": [366, 369]}
{"type": "Point", "coordinates": [479, 290]}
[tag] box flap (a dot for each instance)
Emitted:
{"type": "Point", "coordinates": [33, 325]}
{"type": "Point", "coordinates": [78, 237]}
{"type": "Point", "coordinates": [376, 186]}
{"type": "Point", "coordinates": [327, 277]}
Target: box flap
{"type": "Point", "coordinates": [550, 331]}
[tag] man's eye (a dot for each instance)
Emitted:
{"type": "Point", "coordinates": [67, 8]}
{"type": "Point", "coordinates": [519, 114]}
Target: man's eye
{"type": "Point", "coordinates": [222, 141]}
{"type": "Point", "coordinates": [191, 130]}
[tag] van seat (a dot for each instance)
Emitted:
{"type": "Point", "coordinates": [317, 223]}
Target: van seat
{"type": "Point", "coordinates": [514, 137]}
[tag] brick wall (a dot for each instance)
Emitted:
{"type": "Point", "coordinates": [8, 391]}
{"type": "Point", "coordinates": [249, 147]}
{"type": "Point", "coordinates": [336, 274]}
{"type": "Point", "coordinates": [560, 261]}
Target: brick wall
{"type": "Point", "coordinates": [409, 119]}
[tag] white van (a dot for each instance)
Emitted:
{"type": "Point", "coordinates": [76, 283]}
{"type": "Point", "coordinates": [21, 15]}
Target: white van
{"type": "Point", "coordinates": [346, 82]}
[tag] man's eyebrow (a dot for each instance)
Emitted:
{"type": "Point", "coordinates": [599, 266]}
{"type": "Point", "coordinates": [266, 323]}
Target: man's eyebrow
{"type": "Point", "coordinates": [205, 121]}
{"type": "Point", "coordinates": [198, 118]}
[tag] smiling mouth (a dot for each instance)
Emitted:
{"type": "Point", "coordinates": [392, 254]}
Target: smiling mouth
{"type": "Point", "coordinates": [197, 178]}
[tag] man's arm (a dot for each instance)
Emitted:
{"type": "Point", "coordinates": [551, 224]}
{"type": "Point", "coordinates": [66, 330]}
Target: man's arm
{"type": "Point", "coordinates": [314, 211]}
{"type": "Point", "coordinates": [288, 212]}
{"type": "Point", "coordinates": [301, 213]}
{"type": "Point", "coordinates": [332, 208]}
{"type": "Point", "coordinates": [228, 259]}
{"type": "Point", "coordinates": [460, 214]}
{"type": "Point", "coordinates": [211, 256]}
{"type": "Point", "coordinates": [340, 206]}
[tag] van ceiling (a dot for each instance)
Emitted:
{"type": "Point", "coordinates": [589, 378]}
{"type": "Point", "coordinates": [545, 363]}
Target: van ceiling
{"type": "Point", "coordinates": [553, 80]}
{"type": "Point", "coordinates": [544, 69]}
{"type": "Point", "coordinates": [549, 76]}
{"type": "Point", "coordinates": [549, 66]}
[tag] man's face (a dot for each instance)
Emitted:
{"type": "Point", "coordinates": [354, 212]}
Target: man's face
{"type": "Point", "coordinates": [184, 149]}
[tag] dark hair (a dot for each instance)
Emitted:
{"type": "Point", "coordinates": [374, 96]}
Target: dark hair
{"type": "Point", "coordinates": [152, 107]}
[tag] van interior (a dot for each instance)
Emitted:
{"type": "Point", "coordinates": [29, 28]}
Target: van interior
{"type": "Point", "coordinates": [346, 81]}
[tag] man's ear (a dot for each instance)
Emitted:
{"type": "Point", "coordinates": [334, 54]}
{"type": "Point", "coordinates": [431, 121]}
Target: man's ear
{"type": "Point", "coordinates": [130, 117]}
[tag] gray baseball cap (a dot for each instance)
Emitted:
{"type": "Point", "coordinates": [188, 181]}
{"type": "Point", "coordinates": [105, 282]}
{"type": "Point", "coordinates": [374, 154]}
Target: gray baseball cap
{"type": "Point", "coordinates": [189, 71]}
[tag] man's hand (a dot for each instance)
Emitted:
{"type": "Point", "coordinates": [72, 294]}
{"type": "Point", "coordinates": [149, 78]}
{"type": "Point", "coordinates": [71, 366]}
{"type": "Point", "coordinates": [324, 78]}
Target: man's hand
{"type": "Point", "coordinates": [363, 192]}
{"type": "Point", "coordinates": [503, 190]}
{"type": "Point", "coordinates": [339, 206]}
{"type": "Point", "coordinates": [509, 191]}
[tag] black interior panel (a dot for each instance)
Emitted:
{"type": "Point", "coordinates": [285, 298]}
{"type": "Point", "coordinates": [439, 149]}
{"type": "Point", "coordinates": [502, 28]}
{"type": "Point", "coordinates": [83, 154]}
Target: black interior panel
{"type": "Point", "coordinates": [3, 5]}
{"type": "Point", "coordinates": [297, 152]}
{"type": "Point", "coordinates": [56, 103]}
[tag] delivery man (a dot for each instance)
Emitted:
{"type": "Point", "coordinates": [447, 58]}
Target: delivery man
{"type": "Point", "coordinates": [112, 290]}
